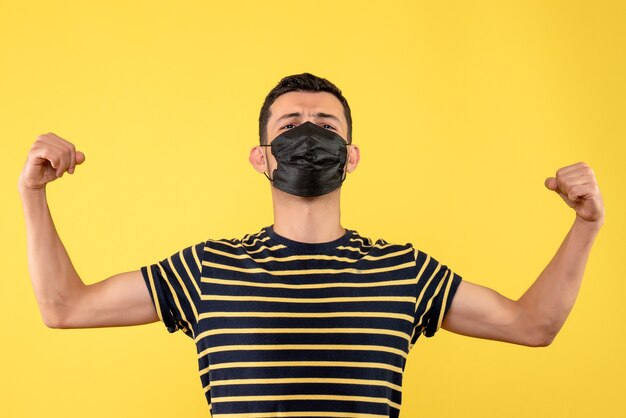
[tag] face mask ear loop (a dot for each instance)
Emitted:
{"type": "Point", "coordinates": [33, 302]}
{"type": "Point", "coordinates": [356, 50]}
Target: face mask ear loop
{"type": "Point", "coordinates": [267, 162]}
{"type": "Point", "coordinates": [345, 175]}
{"type": "Point", "coordinates": [345, 167]}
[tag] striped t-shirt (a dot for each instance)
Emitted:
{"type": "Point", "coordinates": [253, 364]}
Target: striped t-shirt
{"type": "Point", "coordinates": [290, 329]}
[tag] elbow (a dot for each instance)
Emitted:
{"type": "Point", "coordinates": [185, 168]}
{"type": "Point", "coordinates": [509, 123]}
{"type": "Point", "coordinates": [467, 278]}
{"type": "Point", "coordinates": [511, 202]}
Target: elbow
{"type": "Point", "coordinates": [543, 335]}
{"type": "Point", "coordinates": [58, 312]}
{"type": "Point", "coordinates": [542, 341]}
{"type": "Point", "coordinates": [53, 318]}
{"type": "Point", "coordinates": [539, 328]}
{"type": "Point", "coordinates": [52, 323]}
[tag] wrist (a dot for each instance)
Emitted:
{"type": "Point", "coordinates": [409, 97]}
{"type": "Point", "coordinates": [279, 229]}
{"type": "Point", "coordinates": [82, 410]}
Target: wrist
{"type": "Point", "coordinates": [593, 226]}
{"type": "Point", "coordinates": [30, 193]}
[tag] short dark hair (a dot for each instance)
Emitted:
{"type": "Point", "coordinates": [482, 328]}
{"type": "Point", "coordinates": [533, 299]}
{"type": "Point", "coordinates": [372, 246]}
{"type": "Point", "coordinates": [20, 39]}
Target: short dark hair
{"type": "Point", "coordinates": [301, 82]}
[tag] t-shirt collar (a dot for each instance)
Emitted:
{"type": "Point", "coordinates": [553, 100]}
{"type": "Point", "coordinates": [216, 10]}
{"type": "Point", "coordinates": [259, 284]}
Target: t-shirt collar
{"type": "Point", "coordinates": [306, 246]}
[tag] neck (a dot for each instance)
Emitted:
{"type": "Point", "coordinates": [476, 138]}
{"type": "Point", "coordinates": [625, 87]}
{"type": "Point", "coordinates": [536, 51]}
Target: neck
{"type": "Point", "coordinates": [307, 219]}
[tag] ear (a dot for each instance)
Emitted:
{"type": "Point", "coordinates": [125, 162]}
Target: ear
{"type": "Point", "coordinates": [257, 159]}
{"type": "Point", "coordinates": [354, 156]}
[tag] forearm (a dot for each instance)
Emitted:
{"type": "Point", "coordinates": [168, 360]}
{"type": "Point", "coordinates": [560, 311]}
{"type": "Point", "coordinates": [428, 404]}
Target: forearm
{"type": "Point", "coordinates": [550, 299]}
{"type": "Point", "coordinates": [54, 279]}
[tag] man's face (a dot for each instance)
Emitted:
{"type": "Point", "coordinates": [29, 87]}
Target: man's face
{"type": "Point", "coordinates": [294, 108]}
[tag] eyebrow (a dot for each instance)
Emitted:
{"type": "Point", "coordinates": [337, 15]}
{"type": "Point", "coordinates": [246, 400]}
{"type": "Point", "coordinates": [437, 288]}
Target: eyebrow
{"type": "Point", "coordinates": [318, 115]}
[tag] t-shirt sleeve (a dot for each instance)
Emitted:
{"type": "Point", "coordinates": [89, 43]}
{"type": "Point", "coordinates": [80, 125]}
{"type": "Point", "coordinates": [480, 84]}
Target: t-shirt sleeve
{"type": "Point", "coordinates": [174, 286]}
{"type": "Point", "coordinates": [436, 287]}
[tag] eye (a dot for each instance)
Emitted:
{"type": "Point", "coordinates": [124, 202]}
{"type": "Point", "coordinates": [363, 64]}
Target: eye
{"type": "Point", "coordinates": [289, 126]}
{"type": "Point", "coordinates": [327, 126]}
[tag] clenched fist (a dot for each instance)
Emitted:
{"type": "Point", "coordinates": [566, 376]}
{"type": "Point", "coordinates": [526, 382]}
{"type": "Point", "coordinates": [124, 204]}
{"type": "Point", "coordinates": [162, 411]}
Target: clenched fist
{"type": "Point", "coordinates": [48, 159]}
{"type": "Point", "coordinates": [578, 187]}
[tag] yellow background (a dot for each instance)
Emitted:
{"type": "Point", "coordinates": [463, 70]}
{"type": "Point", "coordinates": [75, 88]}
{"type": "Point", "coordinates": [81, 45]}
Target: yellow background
{"type": "Point", "coordinates": [461, 109]}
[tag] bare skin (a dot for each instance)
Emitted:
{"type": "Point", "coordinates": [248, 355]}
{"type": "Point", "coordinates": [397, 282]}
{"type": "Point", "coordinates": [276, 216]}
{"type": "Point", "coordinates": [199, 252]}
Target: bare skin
{"type": "Point", "coordinates": [64, 300]}
{"type": "Point", "coordinates": [533, 320]}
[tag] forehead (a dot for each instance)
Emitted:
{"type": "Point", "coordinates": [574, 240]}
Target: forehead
{"type": "Point", "coordinates": [307, 102]}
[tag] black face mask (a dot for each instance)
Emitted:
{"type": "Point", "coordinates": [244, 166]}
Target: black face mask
{"type": "Point", "coordinates": [311, 160]}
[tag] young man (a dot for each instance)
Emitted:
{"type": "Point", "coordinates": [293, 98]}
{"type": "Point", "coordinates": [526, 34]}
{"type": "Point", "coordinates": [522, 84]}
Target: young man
{"type": "Point", "coordinates": [303, 318]}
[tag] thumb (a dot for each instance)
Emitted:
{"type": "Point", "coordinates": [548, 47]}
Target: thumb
{"type": "Point", "coordinates": [80, 157]}
{"type": "Point", "coordinates": [550, 183]}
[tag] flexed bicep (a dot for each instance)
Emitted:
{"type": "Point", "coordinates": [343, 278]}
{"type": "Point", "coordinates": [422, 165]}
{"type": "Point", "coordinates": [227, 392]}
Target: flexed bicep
{"type": "Point", "coordinates": [120, 300]}
{"type": "Point", "coordinates": [480, 312]}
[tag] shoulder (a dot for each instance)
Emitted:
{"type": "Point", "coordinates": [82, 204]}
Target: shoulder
{"type": "Point", "coordinates": [383, 249]}
{"type": "Point", "coordinates": [379, 245]}
{"type": "Point", "coordinates": [245, 242]}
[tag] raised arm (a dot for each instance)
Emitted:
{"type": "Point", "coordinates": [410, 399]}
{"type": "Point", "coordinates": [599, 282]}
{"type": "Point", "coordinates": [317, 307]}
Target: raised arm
{"type": "Point", "coordinates": [63, 299]}
{"type": "Point", "coordinates": [536, 317]}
